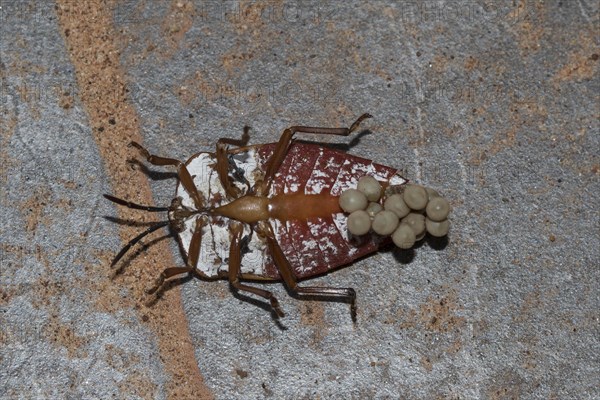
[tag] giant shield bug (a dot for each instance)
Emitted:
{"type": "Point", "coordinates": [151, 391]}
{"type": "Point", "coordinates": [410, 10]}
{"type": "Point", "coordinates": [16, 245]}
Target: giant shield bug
{"type": "Point", "coordinates": [287, 211]}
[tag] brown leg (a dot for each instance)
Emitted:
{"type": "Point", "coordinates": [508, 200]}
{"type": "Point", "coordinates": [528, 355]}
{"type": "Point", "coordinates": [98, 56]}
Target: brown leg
{"type": "Point", "coordinates": [193, 254]}
{"type": "Point", "coordinates": [284, 143]}
{"type": "Point", "coordinates": [182, 172]}
{"type": "Point", "coordinates": [235, 262]}
{"type": "Point", "coordinates": [237, 142]}
{"type": "Point", "coordinates": [222, 167]}
{"type": "Point", "coordinates": [286, 272]}
{"type": "Point", "coordinates": [223, 162]}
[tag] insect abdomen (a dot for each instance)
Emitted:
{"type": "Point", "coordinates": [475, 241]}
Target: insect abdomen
{"type": "Point", "coordinates": [314, 235]}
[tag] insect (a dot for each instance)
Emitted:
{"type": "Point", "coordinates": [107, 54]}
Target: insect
{"type": "Point", "coordinates": [266, 212]}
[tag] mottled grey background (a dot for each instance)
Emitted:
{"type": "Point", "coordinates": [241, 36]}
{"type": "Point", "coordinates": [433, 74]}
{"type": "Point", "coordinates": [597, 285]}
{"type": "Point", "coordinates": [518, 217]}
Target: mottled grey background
{"type": "Point", "coordinates": [493, 103]}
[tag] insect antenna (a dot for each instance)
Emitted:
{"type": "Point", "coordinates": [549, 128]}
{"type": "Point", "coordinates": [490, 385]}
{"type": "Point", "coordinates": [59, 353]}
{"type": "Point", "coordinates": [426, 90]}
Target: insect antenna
{"type": "Point", "coordinates": [148, 231]}
{"type": "Point", "coordinates": [136, 239]}
{"type": "Point", "coordinates": [135, 206]}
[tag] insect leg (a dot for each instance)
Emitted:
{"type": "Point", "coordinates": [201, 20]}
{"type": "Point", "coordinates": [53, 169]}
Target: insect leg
{"type": "Point", "coordinates": [182, 173]}
{"type": "Point", "coordinates": [286, 272]}
{"type": "Point", "coordinates": [276, 159]}
{"type": "Point", "coordinates": [235, 262]}
{"type": "Point", "coordinates": [193, 255]}
{"type": "Point", "coordinates": [222, 166]}
{"type": "Point", "coordinates": [237, 142]}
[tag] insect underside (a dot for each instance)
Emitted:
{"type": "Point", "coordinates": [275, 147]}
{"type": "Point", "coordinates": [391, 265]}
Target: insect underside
{"type": "Point", "coordinates": [273, 212]}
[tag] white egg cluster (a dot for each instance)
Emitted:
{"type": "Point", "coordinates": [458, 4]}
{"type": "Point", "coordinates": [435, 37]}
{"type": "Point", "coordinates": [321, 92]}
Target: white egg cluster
{"type": "Point", "coordinates": [406, 216]}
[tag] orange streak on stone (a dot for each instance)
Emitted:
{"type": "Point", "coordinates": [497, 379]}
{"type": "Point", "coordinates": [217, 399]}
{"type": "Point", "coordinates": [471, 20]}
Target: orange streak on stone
{"type": "Point", "coordinates": [92, 44]}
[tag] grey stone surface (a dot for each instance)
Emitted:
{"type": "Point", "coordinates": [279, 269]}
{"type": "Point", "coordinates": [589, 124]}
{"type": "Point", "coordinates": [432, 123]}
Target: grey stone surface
{"type": "Point", "coordinates": [494, 105]}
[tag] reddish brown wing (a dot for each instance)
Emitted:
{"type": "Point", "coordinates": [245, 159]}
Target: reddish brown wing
{"type": "Point", "coordinates": [317, 245]}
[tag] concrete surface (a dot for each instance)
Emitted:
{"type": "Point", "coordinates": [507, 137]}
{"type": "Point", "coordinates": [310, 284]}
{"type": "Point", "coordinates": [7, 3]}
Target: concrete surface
{"type": "Point", "coordinates": [494, 104]}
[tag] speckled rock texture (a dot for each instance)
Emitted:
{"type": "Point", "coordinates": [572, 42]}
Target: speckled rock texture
{"type": "Point", "coordinates": [493, 104]}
